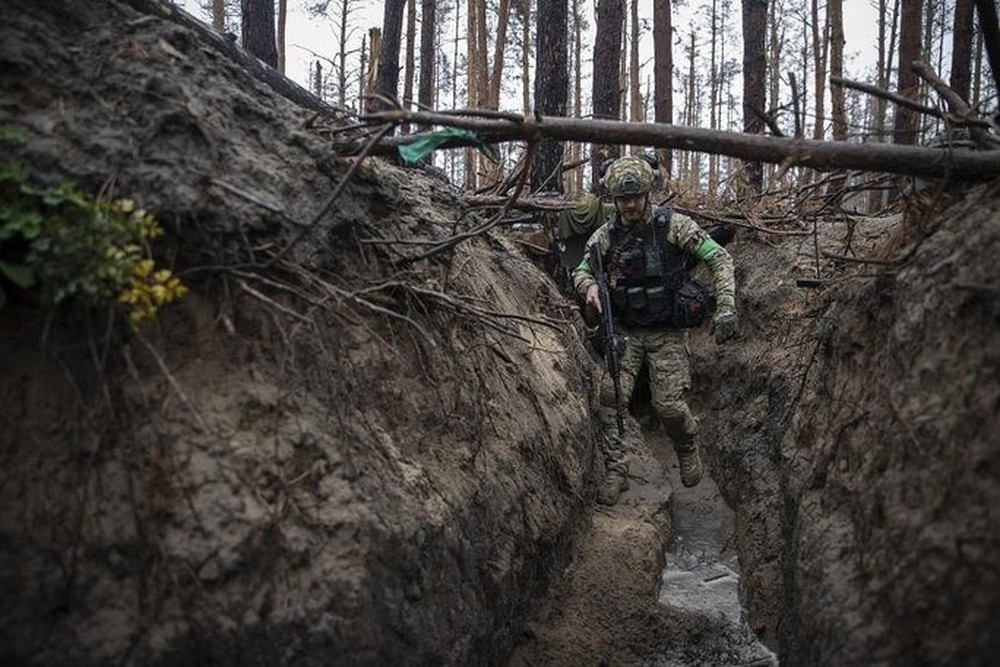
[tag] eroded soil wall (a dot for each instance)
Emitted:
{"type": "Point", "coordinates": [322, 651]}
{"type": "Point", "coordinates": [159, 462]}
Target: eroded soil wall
{"type": "Point", "coordinates": [854, 432]}
{"type": "Point", "coordinates": [329, 450]}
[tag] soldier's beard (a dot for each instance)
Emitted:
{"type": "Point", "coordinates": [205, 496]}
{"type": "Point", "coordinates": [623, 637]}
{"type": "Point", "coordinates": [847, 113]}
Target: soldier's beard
{"type": "Point", "coordinates": [631, 215]}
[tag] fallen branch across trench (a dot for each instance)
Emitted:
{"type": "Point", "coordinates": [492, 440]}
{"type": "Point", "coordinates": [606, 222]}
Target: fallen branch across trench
{"type": "Point", "coordinates": [819, 155]}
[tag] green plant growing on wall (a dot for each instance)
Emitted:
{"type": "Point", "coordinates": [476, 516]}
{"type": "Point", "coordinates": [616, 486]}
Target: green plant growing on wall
{"type": "Point", "coordinates": [70, 246]}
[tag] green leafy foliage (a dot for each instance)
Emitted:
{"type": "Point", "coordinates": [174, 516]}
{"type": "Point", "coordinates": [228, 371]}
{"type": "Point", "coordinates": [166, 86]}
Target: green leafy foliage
{"type": "Point", "coordinates": [71, 246]}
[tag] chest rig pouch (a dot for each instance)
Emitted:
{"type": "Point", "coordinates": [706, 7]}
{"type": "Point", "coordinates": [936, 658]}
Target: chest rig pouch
{"type": "Point", "coordinates": [650, 283]}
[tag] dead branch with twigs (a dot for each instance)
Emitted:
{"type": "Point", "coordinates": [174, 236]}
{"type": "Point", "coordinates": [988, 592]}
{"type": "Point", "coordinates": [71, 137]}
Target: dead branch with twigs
{"type": "Point", "coordinates": [819, 155]}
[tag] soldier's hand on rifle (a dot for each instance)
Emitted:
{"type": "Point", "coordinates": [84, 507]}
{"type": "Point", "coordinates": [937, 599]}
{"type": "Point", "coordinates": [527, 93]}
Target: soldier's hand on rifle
{"type": "Point", "coordinates": [724, 325]}
{"type": "Point", "coordinates": [594, 297]}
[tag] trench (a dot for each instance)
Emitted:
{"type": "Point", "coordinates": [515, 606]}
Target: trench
{"type": "Point", "coordinates": [701, 575]}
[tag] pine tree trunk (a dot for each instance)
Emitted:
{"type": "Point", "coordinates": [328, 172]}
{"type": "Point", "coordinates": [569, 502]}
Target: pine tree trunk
{"type": "Point", "coordinates": [282, 21]}
{"type": "Point", "coordinates": [961, 49]}
{"type": "Point", "coordinates": [219, 15]}
{"type": "Point", "coordinates": [408, 66]}
{"type": "Point", "coordinates": [905, 124]}
{"type": "Point", "coordinates": [471, 85]}
{"type": "Point", "coordinates": [551, 89]}
{"type": "Point", "coordinates": [482, 52]}
{"type": "Point", "coordinates": [714, 71]}
{"type": "Point", "coordinates": [774, 44]}
{"type": "Point", "coordinates": [496, 77]}
{"type": "Point", "coordinates": [635, 94]}
{"type": "Point", "coordinates": [388, 62]}
{"type": "Point", "coordinates": [663, 76]}
{"type": "Point", "coordinates": [606, 94]}
{"type": "Point", "coordinates": [691, 158]}
{"type": "Point", "coordinates": [989, 26]}
{"type": "Point", "coordinates": [881, 69]}
{"type": "Point", "coordinates": [374, 65]}
{"type": "Point", "coordinates": [258, 30]}
{"type": "Point", "coordinates": [428, 53]}
{"type": "Point", "coordinates": [363, 68]}
{"type": "Point", "coordinates": [526, 56]}
{"type": "Point", "coordinates": [820, 50]}
{"type": "Point", "coordinates": [754, 29]}
{"type": "Point", "coordinates": [342, 57]}
{"type": "Point", "coordinates": [835, 19]}
{"type": "Point", "coordinates": [576, 185]}
{"type": "Point", "coordinates": [803, 94]}
{"type": "Point", "coordinates": [454, 75]}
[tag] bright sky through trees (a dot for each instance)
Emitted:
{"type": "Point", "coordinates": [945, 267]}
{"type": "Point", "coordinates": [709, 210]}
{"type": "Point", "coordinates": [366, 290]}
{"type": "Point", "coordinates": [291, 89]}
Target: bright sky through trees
{"type": "Point", "coordinates": [307, 36]}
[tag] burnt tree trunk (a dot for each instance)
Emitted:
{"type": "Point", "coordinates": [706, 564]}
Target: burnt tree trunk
{"type": "Point", "coordinates": [388, 62]}
{"type": "Point", "coordinates": [551, 90]}
{"type": "Point", "coordinates": [258, 30]}
{"type": "Point", "coordinates": [754, 30]}
{"type": "Point", "coordinates": [607, 95]}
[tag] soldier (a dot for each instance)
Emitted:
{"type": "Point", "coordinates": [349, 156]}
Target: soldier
{"type": "Point", "coordinates": [644, 250]}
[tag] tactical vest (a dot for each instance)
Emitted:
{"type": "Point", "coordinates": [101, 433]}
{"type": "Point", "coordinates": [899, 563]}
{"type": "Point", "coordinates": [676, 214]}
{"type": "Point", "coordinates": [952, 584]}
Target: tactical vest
{"type": "Point", "coordinates": [649, 278]}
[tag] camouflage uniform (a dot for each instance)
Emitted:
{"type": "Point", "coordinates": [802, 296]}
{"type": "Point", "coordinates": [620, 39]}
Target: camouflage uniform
{"type": "Point", "coordinates": [662, 346]}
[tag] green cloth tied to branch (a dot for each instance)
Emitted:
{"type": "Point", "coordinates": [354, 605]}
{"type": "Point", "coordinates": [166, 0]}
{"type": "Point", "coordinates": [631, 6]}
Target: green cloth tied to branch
{"type": "Point", "coordinates": [426, 144]}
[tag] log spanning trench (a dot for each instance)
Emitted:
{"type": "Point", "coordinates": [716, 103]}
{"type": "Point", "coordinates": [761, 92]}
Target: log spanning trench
{"type": "Point", "coordinates": [820, 155]}
{"type": "Point", "coordinates": [494, 127]}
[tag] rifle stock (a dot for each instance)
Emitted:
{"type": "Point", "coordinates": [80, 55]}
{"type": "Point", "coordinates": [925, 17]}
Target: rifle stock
{"type": "Point", "coordinates": [611, 341]}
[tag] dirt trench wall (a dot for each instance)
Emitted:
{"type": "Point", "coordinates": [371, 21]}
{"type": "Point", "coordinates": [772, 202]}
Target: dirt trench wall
{"type": "Point", "coordinates": [338, 458]}
{"type": "Point", "coordinates": [855, 434]}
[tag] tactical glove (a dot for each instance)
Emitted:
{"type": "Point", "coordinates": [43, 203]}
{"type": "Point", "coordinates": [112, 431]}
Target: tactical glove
{"type": "Point", "coordinates": [724, 325]}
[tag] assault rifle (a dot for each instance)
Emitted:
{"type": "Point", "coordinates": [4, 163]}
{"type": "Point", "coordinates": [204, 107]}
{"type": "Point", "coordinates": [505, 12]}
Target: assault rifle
{"type": "Point", "coordinates": [611, 342]}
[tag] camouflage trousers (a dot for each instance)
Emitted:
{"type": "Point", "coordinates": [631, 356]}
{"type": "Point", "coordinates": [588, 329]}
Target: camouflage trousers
{"type": "Point", "coordinates": [666, 354]}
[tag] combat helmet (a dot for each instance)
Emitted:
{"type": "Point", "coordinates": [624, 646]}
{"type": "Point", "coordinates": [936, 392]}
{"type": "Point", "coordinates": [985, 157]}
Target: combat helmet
{"type": "Point", "coordinates": [628, 176]}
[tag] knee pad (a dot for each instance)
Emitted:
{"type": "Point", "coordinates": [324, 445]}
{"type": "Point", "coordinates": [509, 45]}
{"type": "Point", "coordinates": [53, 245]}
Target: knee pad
{"type": "Point", "coordinates": [675, 414]}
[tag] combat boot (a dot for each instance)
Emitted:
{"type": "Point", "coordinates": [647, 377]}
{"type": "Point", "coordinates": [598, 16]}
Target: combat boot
{"type": "Point", "coordinates": [691, 468]}
{"type": "Point", "coordinates": [614, 483]}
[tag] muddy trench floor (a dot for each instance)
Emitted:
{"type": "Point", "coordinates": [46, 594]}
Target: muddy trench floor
{"type": "Point", "coordinates": [654, 581]}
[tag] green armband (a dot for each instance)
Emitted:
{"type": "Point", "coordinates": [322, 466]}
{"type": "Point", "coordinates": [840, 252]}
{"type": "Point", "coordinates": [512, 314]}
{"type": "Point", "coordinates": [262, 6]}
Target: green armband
{"type": "Point", "coordinates": [707, 249]}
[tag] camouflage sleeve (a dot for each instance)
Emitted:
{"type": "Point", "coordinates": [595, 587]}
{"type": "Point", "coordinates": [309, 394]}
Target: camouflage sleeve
{"type": "Point", "coordinates": [583, 274]}
{"type": "Point", "coordinates": [689, 236]}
